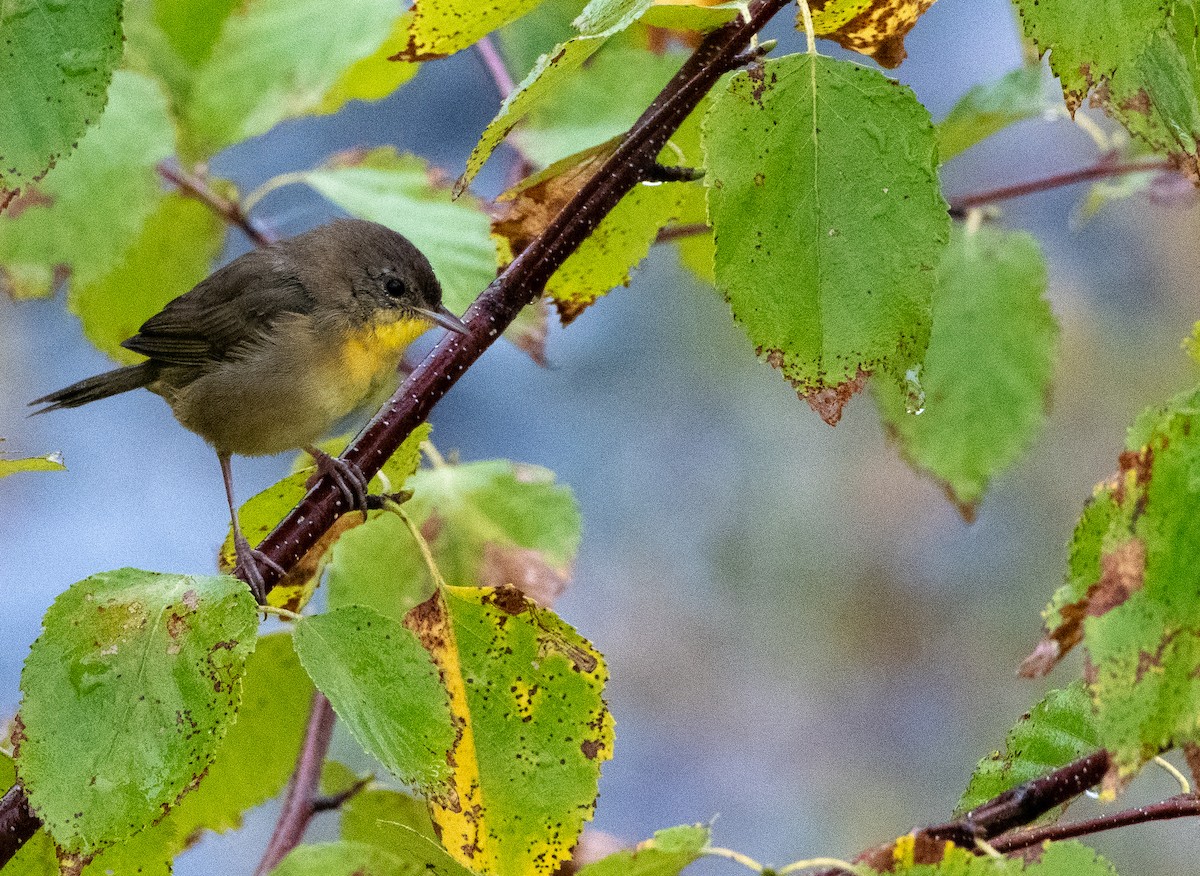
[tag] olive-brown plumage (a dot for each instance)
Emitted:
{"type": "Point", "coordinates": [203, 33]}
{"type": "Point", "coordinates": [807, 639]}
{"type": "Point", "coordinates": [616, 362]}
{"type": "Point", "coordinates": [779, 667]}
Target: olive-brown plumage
{"type": "Point", "coordinates": [271, 350]}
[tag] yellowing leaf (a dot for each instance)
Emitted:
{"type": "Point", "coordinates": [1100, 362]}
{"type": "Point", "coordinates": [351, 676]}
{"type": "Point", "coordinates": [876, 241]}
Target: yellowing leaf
{"type": "Point", "coordinates": [525, 692]}
{"type": "Point", "coordinates": [871, 27]}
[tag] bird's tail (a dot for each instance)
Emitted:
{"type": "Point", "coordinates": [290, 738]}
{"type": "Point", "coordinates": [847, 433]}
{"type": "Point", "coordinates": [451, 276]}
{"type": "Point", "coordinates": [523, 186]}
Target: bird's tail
{"type": "Point", "coordinates": [98, 387]}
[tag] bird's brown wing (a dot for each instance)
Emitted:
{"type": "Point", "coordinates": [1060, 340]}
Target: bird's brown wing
{"type": "Point", "coordinates": [232, 307]}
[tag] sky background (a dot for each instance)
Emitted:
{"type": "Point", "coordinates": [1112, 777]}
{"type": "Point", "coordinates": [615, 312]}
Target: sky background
{"type": "Point", "coordinates": [805, 639]}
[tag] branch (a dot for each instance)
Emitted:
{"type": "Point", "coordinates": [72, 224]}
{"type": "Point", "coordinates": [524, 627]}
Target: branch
{"type": "Point", "coordinates": [1013, 808]}
{"type": "Point", "coordinates": [521, 282]}
{"type": "Point", "coordinates": [301, 801]}
{"type": "Point", "coordinates": [1179, 806]}
{"type": "Point", "coordinates": [195, 186]}
{"type": "Point", "coordinates": [17, 823]}
{"type": "Point", "coordinates": [1105, 168]}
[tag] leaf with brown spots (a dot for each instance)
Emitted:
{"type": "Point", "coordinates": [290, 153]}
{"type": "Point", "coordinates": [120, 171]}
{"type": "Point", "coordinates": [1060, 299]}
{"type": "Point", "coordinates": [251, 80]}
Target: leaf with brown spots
{"type": "Point", "coordinates": [871, 27]}
{"type": "Point", "coordinates": [1133, 591]}
{"type": "Point", "coordinates": [526, 694]}
{"type": "Point", "coordinates": [128, 694]}
{"type": "Point", "coordinates": [1138, 59]}
{"type": "Point", "coordinates": [830, 270]}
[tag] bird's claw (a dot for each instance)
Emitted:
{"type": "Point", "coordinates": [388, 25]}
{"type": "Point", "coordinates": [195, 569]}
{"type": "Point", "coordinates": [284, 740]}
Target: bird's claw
{"type": "Point", "coordinates": [248, 561]}
{"type": "Point", "coordinates": [346, 476]}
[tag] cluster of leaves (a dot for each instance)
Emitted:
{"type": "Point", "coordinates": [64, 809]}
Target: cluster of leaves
{"type": "Point", "coordinates": [153, 710]}
{"type": "Point", "coordinates": [144, 686]}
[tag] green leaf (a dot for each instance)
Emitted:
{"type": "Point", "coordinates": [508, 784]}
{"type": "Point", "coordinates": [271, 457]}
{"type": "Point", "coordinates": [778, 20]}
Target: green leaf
{"type": "Point", "coordinates": [55, 67]}
{"type": "Point", "coordinates": [599, 102]}
{"type": "Point", "coordinates": [1058, 730]}
{"type": "Point", "coordinates": [599, 20]}
{"type": "Point", "coordinates": [404, 193]}
{"type": "Point", "coordinates": [523, 41]}
{"type": "Point", "coordinates": [258, 754]}
{"type": "Point", "coordinates": [823, 195]}
{"type": "Point", "coordinates": [341, 859]}
{"type": "Point", "coordinates": [370, 816]}
{"type": "Point", "coordinates": [487, 523]}
{"type": "Point", "coordinates": [1057, 859]}
{"type": "Point", "coordinates": [1139, 543]}
{"type": "Point", "coordinates": [378, 565]}
{"type": "Point", "coordinates": [443, 27]}
{"type": "Point", "coordinates": [1064, 615]}
{"type": "Point", "coordinates": [1158, 97]}
{"type": "Point", "coordinates": [49, 462]}
{"type": "Point", "coordinates": [666, 855]}
{"type": "Point", "coordinates": [93, 205]}
{"type": "Point", "coordinates": [691, 16]}
{"type": "Point", "coordinates": [1139, 59]}
{"type": "Point", "coordinates": [383, 685]}
{"type": "Point", "coordinates": [128, 693]}
{"type": "Point", "coordinates": [174, 251]}
{"type": "Point", "coordinates": [986, 375]}
{"type": "Point", "coordinates": [991, 107]}
{"type": "Point", "coordinates": [496, 522]}
{"type": "Point", "coordinates": [1085, 50]}
{"type": "Point", "coordinates": [525, 691]}
{"type": "Point", "coordinates": [294, 54]}
{"type": "Point", "coordinates": [614, 248]}
{"type": "Point", "coordinates": [375, 76]}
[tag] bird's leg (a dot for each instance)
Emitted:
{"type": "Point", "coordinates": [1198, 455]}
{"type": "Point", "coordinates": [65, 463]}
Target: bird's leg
{"type": "Point", "coordinates": [346, 476]}
{"type": "Point", "coordinates": [247, 557]}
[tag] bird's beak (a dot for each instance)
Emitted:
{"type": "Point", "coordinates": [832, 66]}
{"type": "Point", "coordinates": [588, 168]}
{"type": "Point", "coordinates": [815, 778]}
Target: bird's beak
{"type": "Point", "coordinates": [444, 318]}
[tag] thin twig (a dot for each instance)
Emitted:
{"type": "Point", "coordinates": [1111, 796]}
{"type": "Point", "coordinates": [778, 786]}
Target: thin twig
{"type": "Point", "coordinates": [678, 232]}
{"type": "Point", "coordinates": [1179, 806]}
{"type": "Point", "coordinates": [329, 802]}
{"type": "Point", "coordinates": [496, 67]}
{"type": "Point", "coordinates": [195, 186]}
{"type": "Point", "coordinates": [503, 80]}
{"type": "Point", "coordinates": [300, 803]}
{"type": "Point", "coordinates": [1101, 170]}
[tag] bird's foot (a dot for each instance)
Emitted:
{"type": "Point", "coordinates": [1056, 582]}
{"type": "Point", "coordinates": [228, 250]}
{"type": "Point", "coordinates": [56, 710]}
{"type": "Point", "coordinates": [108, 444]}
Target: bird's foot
{"type": "Point", "coordinates": [346, 476]}
{"type": "Point", "coordinates": [248, 561]}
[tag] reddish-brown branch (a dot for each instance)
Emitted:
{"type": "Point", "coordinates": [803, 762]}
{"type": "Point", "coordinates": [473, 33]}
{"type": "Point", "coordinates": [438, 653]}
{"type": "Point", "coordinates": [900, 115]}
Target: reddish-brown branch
{"type": "Point", "coordinates": [1013, 808]}
{"type": "Point", "coordinates": [1179, 806]}
{"type": "Point", "coordinates": [195, 186]}
{"type": "Point", "coordinates": [1107, 168]}
{"type": "Point", "coordinates": [17, 822]}
{"type": "Point", "coordinates": [303, 791]}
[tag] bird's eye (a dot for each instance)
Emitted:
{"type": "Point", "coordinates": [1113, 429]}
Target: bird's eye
{"type": "Point", "coordinates": [394, 287]}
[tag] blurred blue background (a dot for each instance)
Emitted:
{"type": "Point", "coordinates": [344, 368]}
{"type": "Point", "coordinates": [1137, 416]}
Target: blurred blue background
{"type": "Point", "coordinates": [804, 637]}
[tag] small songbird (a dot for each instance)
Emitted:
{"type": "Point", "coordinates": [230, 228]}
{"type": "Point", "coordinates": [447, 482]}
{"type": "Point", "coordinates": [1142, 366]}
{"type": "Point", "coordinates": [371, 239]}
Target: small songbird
{"type": "Point", "coordinates": [270, 351]}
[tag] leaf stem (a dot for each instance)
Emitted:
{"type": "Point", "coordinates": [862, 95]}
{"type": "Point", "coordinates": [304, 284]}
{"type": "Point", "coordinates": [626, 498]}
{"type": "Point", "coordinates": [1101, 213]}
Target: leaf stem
{"type": "Point", "coordinates": [1102, 169]}
{"type": "Point", "coordinates": [422, 544]}
{"type": "Point", "coordinates": [809, 33]}
{"type": "Point", "coordinates": [196, 186]}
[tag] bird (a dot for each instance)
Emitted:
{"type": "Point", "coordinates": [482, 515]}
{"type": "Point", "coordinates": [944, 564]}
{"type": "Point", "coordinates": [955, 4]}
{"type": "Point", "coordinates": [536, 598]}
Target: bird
{"type": "Point", "coordinates": [267, 353]}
